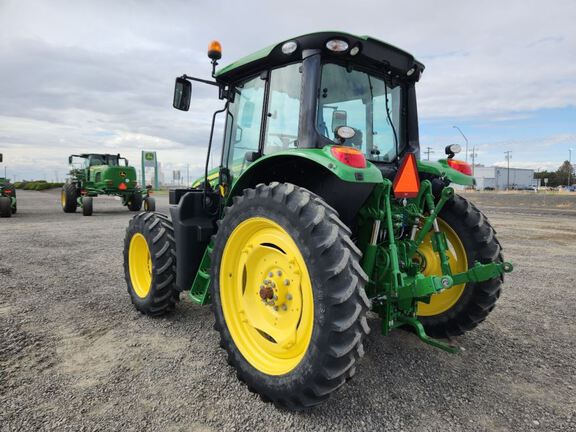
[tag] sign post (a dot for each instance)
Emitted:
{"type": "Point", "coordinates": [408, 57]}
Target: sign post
{"type": "Point", "coordinates": [149, 160]}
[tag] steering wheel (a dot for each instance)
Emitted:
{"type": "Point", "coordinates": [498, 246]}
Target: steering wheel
{"type": "Point", "coordinates": [285, 139]}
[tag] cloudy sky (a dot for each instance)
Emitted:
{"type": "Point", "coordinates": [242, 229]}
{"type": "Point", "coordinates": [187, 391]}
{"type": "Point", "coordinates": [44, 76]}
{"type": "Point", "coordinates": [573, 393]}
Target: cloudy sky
{"type": "Point", "coordinates": [82, 76]}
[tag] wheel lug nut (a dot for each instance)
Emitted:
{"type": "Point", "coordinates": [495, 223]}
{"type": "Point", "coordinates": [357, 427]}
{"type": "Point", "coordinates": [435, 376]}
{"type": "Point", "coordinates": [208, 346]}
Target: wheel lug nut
{"type": "Point", "coordinates": [288, 296]}
{"type": "Point", "coordinates": [275, 297]}
{"type": "Point", "coordinates": [279, 273]}
{"type": "Point", "coordinates": [270, 274]}
{"type": "Point", "coordinates": [276, 308]}
{"type": "Point", "coordinates": [284, 307]}
{"type": "Point", "coordinates": [286, 282]}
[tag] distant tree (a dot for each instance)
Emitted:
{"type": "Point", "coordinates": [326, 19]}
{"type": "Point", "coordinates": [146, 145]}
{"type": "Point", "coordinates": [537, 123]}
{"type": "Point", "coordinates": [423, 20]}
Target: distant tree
{"type": "Point", "coordinates": [562, 173]}
{"type": "Point", "coordinates": [551, 176]}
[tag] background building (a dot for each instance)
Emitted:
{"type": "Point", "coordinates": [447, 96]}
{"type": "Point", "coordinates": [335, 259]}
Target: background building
{"type": "Point", "coordinates": [497, 178]}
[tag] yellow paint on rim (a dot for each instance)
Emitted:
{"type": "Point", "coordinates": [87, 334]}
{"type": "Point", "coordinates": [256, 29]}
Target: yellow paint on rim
{"type": "Point", "coordinates": [273, 335]}
{"type": "Point", "coordinates": [441, 302]}
{"type": "Point", "coordinates": [140, 265]}
{"type": "Point", "coordinates": [63, 199]}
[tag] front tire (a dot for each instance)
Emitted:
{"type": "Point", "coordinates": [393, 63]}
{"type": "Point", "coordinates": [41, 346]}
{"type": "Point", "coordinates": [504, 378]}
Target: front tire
{"type": "Point", "coordinates": [68, 198]}
{"type": "Point", "coordinates": [149, 204]}
{"type": "Point", "coordinates": [288, 295]}
{"type": "Point", "coordinates": [87, 206]}
{"type": "Point", "coordinates": [5, 207]}
{"type": "Point", "coordinates": [150, 264]}
{"type": "Point", "coordinates": [462, 308]}
{"type": "Point", "coordinates": [135, 201]}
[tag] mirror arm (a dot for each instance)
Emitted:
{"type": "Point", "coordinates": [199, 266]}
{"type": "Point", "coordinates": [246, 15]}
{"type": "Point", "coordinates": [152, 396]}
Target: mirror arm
{"type": "Point", "coordinates": [224, 93]}
{"type": "Point", "coordinates": [189, 78]}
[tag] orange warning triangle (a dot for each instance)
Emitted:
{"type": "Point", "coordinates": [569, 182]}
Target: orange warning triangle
{"type": "Point", "coordinates": [407, 183]}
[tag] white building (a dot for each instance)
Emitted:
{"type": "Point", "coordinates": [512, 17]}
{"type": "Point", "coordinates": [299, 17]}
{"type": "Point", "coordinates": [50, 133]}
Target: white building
{"type": "Point", "coordinates": [499, 177]}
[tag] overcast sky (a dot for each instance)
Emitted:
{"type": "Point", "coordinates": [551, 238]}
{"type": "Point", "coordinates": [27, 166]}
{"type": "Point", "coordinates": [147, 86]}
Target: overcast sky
{"type": "Point", "coordinates": [97, 76]}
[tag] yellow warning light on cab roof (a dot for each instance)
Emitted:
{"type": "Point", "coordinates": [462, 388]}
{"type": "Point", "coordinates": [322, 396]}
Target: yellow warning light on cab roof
{"type": "Point", "coordinates": [215, 50]}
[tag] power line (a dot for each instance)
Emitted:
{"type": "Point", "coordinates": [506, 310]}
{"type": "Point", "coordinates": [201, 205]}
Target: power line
{"type": "Point", "coordinates": [428, 151]}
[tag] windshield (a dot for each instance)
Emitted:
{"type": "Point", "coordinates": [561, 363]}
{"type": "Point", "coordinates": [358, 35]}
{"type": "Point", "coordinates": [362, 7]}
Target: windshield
{"type": "Point", "coordinates": [358, 100]}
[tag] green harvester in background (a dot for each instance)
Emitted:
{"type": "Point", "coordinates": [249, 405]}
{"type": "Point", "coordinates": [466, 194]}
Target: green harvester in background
{"type": "Point", "coordinates": [8, 205]}
{"type": "Point", "coordinates": [319, 211]}
{"type": "Point", "coordinates": [103, 174]}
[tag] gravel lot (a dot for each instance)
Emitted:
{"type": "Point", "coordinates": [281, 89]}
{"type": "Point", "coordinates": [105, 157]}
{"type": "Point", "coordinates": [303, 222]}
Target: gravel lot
{"type": "Point", "coordinates": [75, 355]}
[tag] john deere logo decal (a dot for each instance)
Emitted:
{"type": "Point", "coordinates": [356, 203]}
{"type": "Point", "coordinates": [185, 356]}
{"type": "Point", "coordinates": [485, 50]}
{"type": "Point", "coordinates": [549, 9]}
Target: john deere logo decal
{"type": "Point", "coordinates": [149, 156]}
{"type": "Point", "coordinates": [122, 174]}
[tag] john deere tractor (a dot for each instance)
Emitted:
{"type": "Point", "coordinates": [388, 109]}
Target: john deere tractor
{"type": "Point", "coordinates": [321, 210]}
{"type": "Point", "coordinates": [7, 196]}
{"type": "Point", "coordinates": [102, 174]}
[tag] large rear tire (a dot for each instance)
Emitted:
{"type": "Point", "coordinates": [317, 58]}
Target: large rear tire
{"type": "Point", "coordinates": [288, 295]}
{"type": "Point", "coordinates": [5, 207]}
{"type": "Point", "coordinates": [471, 238]}
{"type": "Point", "coordinates": [150, 264]}
{"type": "Point", "coordinates": [68, 198]}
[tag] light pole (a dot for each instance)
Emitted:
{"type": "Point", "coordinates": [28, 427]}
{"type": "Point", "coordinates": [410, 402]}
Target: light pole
{"type": "Point", "coordinates": [508, 157]}
{"type": "Point", "coordinates": [465, 139]}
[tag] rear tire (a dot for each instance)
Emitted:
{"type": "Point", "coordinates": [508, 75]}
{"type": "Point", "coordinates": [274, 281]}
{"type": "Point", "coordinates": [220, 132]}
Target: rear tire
{"type": "Point", "coordinates": [5, 207]}
{"type": "Point", "coordinates": [336, 285]}
{"type": "Point", "coordinates": [154, 293]}
{"type": "Point", "coordinates": [477, 299]}
{"type": "Point", "coordinates": [87, 206]}
{"type": "Point", "coordinates": [149, 204]}
{"type": "Point", "coordinates": [69, 198]}
{"type": "Point", "coordinates": [135, 201]}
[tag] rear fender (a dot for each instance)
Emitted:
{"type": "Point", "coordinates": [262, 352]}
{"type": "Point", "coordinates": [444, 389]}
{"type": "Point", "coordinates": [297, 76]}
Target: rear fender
{"type": "Point", "coordinates": [441, 169]}
{"type": "Point", "coordinates": [343, 187]}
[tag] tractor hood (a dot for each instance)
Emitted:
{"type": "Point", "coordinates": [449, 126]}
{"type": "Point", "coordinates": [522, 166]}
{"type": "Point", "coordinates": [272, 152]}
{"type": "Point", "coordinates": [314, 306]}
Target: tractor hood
{"type": "Point", "coordinates": [361, 50]}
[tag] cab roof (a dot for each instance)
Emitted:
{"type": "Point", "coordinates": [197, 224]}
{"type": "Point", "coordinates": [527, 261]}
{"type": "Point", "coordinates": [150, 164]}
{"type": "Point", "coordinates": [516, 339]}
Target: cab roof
{"type": "Point", "coordinates": [373, 54]}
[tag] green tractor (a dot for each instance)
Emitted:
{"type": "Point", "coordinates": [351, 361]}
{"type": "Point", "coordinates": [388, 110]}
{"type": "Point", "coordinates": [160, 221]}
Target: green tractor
{"type": "Point", "coordinates": [94, 174]}
{"type": "Point", "coordinates": [7, 196]}
{"type": "Point", "coordinates": [320, 211]}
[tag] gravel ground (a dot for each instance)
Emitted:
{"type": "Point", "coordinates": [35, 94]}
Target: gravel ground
{"type": "Point", "coordinates": [75, 355]}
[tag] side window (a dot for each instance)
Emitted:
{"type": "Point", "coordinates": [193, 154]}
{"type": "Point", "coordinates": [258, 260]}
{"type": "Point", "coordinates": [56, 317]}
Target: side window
{"type": "Point", "coordinates": [283, 109]}
{"type": "Point", "coordinates": [243, 125]}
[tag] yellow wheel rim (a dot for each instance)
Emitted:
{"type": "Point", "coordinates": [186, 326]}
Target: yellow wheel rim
{"type": "Point", "coordinates": [456, 253]}
{"type": "Point", "coordinates": [140, 265]}
{"type": "Point", "coordinates": [266, 296]}
{"type": "Point", "coordinates": [63, 198]}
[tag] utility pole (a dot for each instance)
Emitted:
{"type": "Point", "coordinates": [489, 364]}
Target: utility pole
{"type": "Point", "coordinates": [569, 166]}
{"type": "Point", "coordinates": [508, 157]}
{"type": "Point", "coordinates": [428, 151]}
{"type": "Point", "coordinates": [473, 155]}
{"type": "Point", "coordinates": [188, 175]}
{"type": "Point", "coordinates": [465, 139]}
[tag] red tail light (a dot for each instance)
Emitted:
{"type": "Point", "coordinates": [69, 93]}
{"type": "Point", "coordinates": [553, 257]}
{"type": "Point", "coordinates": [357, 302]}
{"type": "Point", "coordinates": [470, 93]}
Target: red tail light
{"type": "Point", "coordinates": [122, 186]}
{"type": "Point", "coordinates": [463, 167]}
{"type": "Point", "coordinates": [8, 191]}
{"type": "Point", "coordinates": [349, 156]}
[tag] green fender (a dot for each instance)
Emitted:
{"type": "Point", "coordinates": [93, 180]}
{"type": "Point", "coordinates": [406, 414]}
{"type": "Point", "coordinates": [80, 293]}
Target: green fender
{"type": "Point", "coordinates": [442, 169]}
{"type": "Point", "coordinates": [322, 157]}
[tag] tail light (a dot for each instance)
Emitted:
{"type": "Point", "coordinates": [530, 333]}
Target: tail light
{"type": "Point", "coordinates": [122, 186]}
{"type": "Point", "coordinates": [349, 156]}
{"type": "Point", "coordinates": [8, 191]}
{"type": "Point", "coordinates": [463, 167]}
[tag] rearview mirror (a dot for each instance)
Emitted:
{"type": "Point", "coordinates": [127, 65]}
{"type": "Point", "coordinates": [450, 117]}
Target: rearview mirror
{"type": "Point", "coordinates": [0, 157]}
{"type": "Point", "coordinates": [182, 94]}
